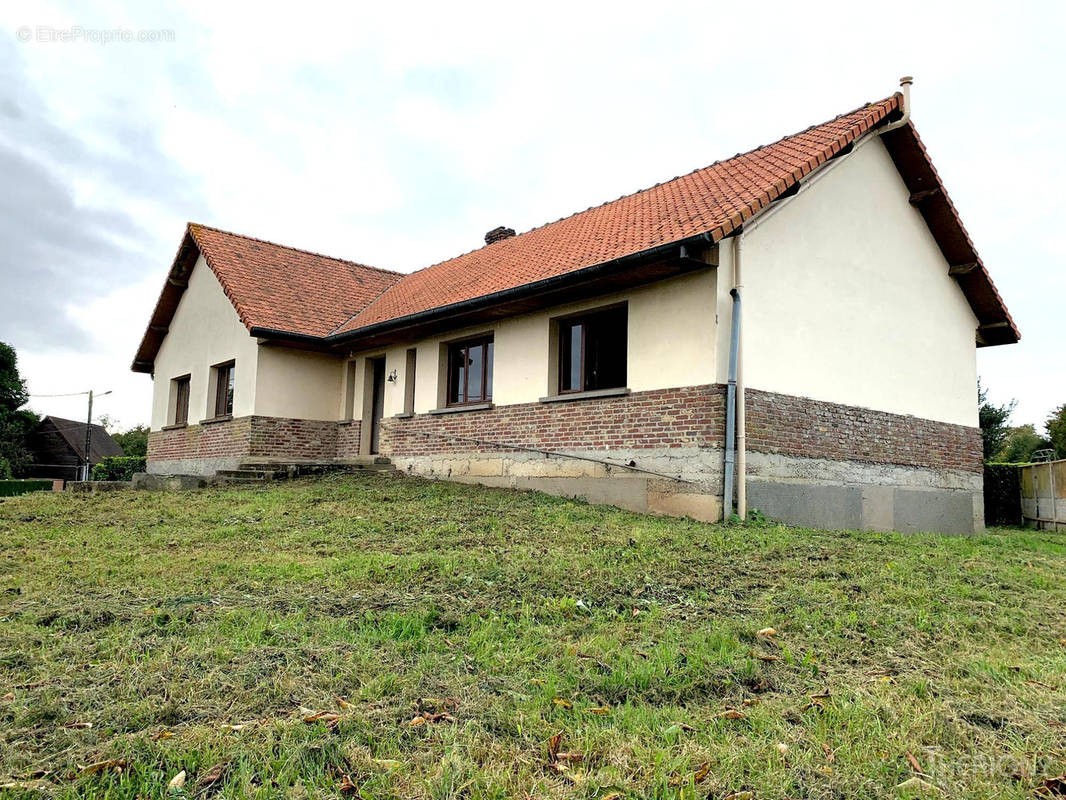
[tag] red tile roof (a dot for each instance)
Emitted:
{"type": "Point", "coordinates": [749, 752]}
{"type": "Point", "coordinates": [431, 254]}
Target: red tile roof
{"type": "Point", "coordinates": [282, 289]}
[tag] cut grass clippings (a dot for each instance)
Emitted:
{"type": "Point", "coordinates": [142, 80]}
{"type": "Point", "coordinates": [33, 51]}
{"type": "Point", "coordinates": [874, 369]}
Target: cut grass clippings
{"type": "Point", "coordinates": [387, 637]}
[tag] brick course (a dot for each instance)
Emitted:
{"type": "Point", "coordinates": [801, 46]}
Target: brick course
{"type": "Point", "coordinates": [694, 417]}
{"type": "Point", "coordinates": [688, 417]}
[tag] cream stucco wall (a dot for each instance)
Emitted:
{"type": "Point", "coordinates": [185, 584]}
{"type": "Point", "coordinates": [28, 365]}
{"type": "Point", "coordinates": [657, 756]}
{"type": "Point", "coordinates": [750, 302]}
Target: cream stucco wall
{"type": "Point", "coordinates": [299, 384]}
{"type": "Point", "coordinates": [205, 331]}
{"type": "Point", "coordinates": [847, 299]}
{"type": "Point", "coordinates": [671, 343]}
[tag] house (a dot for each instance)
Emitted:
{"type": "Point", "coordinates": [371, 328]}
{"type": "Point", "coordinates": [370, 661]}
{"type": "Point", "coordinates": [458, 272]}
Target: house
{"type": "Point", "coordinates": [792, 329]}
{"type": "Point", "coordinates": [58, 448]}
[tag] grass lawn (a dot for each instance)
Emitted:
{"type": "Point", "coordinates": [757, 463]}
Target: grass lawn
{"type": "Point", "coordinates": [385, 637]}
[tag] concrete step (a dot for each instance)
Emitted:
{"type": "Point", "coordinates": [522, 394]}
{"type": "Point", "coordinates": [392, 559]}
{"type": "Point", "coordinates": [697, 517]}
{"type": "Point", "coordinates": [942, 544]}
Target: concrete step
{"type": "Point", "coordinates": [256, 474]}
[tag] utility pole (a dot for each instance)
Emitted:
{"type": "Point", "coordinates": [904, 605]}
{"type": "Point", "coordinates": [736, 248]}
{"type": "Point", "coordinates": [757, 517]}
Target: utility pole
{"type": "Point", "coordinates": [89, 434]}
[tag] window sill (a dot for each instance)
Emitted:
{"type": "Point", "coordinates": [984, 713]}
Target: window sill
{"type": "Point", "coordinates": [566, 398]}
{"type": "Point", "coordinates": [176, 427]}
{"type": "Point", "coordinates": [345, 421]}
{"type": "Point", "coordinates": [403, 415]}
{"type": "Point", "coordinates": [213, 420]}
{"type": "Point", "coordinates": [457, 409]}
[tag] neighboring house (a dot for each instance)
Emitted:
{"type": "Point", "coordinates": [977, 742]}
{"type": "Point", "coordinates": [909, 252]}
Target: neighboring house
{"type": "Point", "coordinates": [607, 334]}
{"type": "Point", "coordinates": [58, 448]}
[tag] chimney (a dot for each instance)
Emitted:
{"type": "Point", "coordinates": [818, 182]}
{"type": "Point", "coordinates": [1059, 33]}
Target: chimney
{"type": "Point", "coordinates": [498, 235]}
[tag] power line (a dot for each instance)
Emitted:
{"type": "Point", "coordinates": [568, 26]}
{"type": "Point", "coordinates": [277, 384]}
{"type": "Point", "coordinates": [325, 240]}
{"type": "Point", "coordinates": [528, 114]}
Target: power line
{"type": "Point", "coordinates": [68, 394]}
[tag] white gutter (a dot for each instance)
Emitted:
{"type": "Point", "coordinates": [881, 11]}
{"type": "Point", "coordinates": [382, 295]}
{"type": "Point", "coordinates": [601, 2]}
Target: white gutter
{"type": "Point", "coordinates": [750, 225]}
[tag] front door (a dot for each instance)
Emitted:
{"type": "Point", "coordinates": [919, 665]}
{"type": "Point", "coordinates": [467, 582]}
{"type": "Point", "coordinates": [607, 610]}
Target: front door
{"type": "Point", "coordinates": [377, 404]}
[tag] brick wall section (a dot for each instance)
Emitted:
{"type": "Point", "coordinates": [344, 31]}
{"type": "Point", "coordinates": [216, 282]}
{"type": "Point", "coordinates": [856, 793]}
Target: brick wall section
{"type": "Point", "coordinates": [799, 426]}
{"type": "Point", "coordinates": [695, 417]}
{"type": "Point", "coordinates": [227, 439]}
{"type": "Point", "coordinates": [260, 437]}
{"type": "Point", "coordinates": [348, 438]}
{"type": "Point", "coordinates": [687, 417]}
{"type": "Point", "coordinates": [276, 437]}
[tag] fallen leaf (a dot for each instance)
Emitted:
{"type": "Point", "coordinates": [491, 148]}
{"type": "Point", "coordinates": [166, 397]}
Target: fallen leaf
{"type": "Point", "coordinates": [347, 785]}
{"type": "Point", "coordinates": [177, 781]}
{"type": "Point", "coordinates": [751, 701]}
{"type": "Point", "coordinates": [553, 746]}
{"type": "Point", "coordinates": [702, 773]}
{"type": "Point", "coordinates": [78, 725]}
{"type": "Point", "coordinates": [419, 720]}
{"type": "Point", "coordinates": [782, 748]}
{"type": "Point", "coordinates": [599, 710]}
{"type": "Point", "coordinates": [564, 756]}
{"type": "Point", "coordinates": [684, 726]}
{"type": "Point", "coordinates": [613, 796]}
{"type": "Point", "coordinates": [732, 713]}
{"type": "Point", "coordinates": [213, 775]}
{"type": "Point", "coordinates": [101, 766]}
{"type": "Point", "coordinates": [162, 735]}
{"type": "Point", "coordinates": [343, 704]}
{"type": "Point", "coordinates": [641, 653]}
{"type": "Point", "coordinates": [767, 632]}
{"type": "Point", "coordinates": [636, 612]}
{"type": "Point", "coordinates": [914, 762]}
{"type": "Point", "coordinates": [741, 795]}
{"type": "Point", "coordinates": [562, 703]}
{"type": "Point", "coordinates": [829, 755]}
{"type": "Point", "coordinates": [323, 716]}
{"type": "Point", "coordinates": [388, 763]}
{"type": "Point", "coordinates": [9, 696]}
{"type": "Point", "coordinates": [765, 657]}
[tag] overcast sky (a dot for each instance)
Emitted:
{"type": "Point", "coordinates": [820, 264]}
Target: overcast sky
{"type": "Point", "coordinates": [397, 134]}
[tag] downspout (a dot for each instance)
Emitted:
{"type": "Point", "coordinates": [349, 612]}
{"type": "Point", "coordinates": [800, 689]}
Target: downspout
{"type": "Point", "coordinates": [742, 454]}
{"type": "Point", "coordinates": [731, 407]}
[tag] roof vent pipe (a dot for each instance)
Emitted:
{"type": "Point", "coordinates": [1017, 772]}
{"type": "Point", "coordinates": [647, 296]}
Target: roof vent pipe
{"type": "Point", "coordinates": [905, 105]}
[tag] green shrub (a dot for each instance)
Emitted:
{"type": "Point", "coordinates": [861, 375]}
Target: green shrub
{"type": "Point", "coordinates": [118, 468]}
{"type": "Point", "coordinates": [1003, 494]}
{"type": "Point", "coordinates": [11, 488]}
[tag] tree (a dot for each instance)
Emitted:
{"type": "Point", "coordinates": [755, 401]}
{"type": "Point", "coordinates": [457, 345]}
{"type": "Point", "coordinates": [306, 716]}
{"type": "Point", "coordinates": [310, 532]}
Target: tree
{"type": "Point", "coordinates": [133, 442]}
{"type": "Point", "coordinates": [1056, 430]}
{"type": "Point", "coordinates": [15, 422]}
{"type": "Point", "coordinates": [993, 421]}
{"type": "Point", "coordinates": [1022, 441]}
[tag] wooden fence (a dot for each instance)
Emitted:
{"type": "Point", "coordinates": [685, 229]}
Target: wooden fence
{"type": "Point", "coordinates": [1044, 495]}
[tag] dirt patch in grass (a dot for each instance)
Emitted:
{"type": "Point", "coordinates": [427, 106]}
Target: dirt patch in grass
{"type": "Point", "coordinates": [391, 637]}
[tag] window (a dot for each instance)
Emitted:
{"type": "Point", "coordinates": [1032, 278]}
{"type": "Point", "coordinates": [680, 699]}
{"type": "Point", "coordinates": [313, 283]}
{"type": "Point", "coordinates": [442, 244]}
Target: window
{"type": "Point", "coordinates": [409, 382]}
{"type": "Point", "coordinates": [181, 400]}
{"type": "Point", "coordinates": [592, 351]}
{"type": "Point", "coordinates": [223, 390]}
{"type": "Point", "coordinates": [470, 371]}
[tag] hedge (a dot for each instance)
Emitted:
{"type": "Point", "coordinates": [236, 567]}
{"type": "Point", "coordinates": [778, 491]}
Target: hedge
{"type": "Point", "coordinates": [118, 468]}
{"type": "Point", "coordinates": [1003, 494]}
{"type": "Point", "coordinates": [11, 488]}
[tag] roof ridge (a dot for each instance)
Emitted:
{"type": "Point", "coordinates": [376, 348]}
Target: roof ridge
{"type": "Point", "coordinates": [649, 188]}
{"type": "Point", "coordinates": [294, 249]}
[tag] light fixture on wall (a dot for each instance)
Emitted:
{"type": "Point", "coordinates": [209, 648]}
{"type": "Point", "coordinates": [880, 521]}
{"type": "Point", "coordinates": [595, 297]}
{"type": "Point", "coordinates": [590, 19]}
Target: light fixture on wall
{"type": "Point", "coordinates": [392, 377]}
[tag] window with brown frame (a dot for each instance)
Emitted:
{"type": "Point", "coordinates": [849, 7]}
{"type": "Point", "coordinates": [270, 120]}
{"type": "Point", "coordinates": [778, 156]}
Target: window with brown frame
{"type": "Point", "coordinates": [181, 400]}
{"type": "Point", "coordinates": [470, 371]}
{"type": "Point", "coordinates": [592, 351]}
{"type": "Point", "coordinates": [223, 390]}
